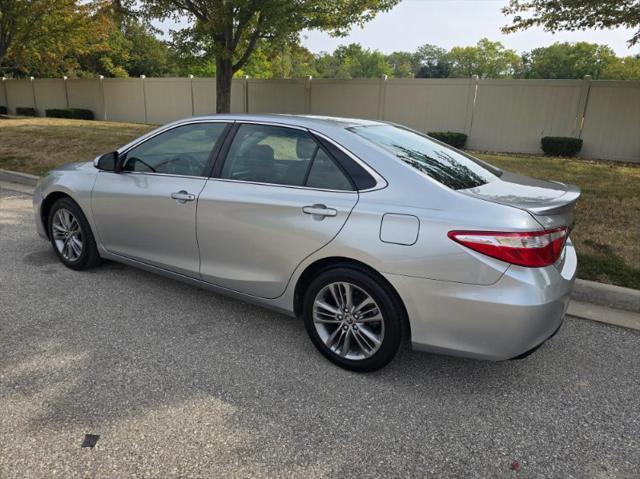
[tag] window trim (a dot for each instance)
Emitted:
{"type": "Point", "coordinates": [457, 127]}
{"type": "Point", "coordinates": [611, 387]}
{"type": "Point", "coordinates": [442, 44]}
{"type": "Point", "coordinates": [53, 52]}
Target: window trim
{"type": "Point", "coordinates": [206, 171]}
{"type": "Point", "coordinates": [221, 158]}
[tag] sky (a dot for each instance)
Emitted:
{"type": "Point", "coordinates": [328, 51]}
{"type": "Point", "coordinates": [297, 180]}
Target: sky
{"type": "Point", "coordinates": [448, 23]}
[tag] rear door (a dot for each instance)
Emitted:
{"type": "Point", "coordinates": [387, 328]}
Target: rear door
{"type": "Point", "coordinates": [277, 197]}
{"type": "Point", "coordinates": [148, 211]}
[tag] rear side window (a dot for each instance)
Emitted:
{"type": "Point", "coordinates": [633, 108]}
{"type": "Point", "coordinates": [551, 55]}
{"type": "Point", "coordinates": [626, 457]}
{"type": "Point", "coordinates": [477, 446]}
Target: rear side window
{"type": "Point", "coordinates": [437, 161]}
{"type": "Point", "coordinates": [281, 156]}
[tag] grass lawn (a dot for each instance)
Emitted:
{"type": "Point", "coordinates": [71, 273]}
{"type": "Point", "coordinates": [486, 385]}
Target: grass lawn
{"type": "Point", "coordinates": [607, 233]}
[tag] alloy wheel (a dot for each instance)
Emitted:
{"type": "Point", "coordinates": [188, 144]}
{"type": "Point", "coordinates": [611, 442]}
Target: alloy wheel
{"type": "Point", "coordinates": [67, 235]}
{"type": "Point", "coordinates": [348, 321]}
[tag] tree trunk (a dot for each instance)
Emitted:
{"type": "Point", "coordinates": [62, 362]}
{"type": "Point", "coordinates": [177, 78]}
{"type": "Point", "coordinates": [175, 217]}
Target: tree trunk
{"type": "Point", "coordinates": [224, 75]}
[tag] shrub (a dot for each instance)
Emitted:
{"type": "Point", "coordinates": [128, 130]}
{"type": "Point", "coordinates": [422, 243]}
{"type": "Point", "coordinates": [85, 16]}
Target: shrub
{"type": "Point", "coordinates": [26, 111]}
{"type": "Point", "coordinates": [457, 140]}
{"type": "Point", "coordinates": [561, 145]}
{"type": "Point", "coordinates": [3, 110]}
{"type": "Point", "coordinates": [81, 114]}
{"type": "Point", "coordinates": [58, 113]}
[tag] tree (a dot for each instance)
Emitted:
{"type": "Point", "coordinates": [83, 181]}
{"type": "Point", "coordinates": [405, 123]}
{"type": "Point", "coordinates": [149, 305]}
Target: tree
{"type": "Point", "coordinates": [403, 64]}
{"type": "Point", "coordinates": [235, 27]}
{"type": "Point", "coordinates": [555, 15]}
{"type": "Point", "coordinates": [434, 62]}
{"type": "Point", "coordinates": [569, 60]}
{"type": "Point", "coordinates": [487, 60]}
{"type": "Point", "coordinates": [45, 36]}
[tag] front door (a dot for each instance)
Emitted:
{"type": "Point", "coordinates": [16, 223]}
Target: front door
{"type": "Point", "coordinates": [278, 198]}
{"type": "Point", "coordinates": [147, 212]}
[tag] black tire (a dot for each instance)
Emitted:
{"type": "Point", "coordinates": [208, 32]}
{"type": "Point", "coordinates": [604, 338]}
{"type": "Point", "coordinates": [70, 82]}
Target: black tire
{"type": "Point", "coordinates": [89, 256]}
{"type": "Point", "coordinates": [392, 313]}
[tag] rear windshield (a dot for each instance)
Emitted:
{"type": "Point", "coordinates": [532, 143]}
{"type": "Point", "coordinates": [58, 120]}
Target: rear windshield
{"type": "Point", "coordinates": [437, 161]}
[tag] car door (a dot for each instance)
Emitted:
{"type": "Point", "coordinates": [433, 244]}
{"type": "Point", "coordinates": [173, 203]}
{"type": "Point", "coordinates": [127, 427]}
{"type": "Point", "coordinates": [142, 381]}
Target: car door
{"type": "Point", "coordinates": [147, 211]}
{"type": "Point", "coordinates": [277, 197]}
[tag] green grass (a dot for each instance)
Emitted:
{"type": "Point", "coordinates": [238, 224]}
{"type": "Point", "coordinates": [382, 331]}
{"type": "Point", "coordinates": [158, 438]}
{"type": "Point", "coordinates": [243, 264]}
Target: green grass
{"type": "Point", "coordinates": [607, 233]}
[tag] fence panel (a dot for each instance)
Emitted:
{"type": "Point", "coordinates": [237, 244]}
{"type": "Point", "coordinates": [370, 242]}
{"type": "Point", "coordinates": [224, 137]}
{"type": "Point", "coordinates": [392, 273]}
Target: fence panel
{"type": "Point", "coordinates": [278, 96]}
{"type": "Point", "coordinates": [86, 94]}
{"type": "Point", "coordinates": [347, 98]}
{"type": "Point", "coordinates": [20, 93]}
{"type": "Point", "coordinates": [238, 96]}
{"type": "Point", "coordinates": [612, 121]}
{"type": "Point", "coordinates": [513, 115]}
{"type": "Point", "coordinates": [204, 96]}
{"type": "Point", "coordinates": [124, 100]}
{"type": "Point", "coordinates": [50, 93]}
{"type": "Point", "coordinates": [168, 99]}
{"type": "Point", "coordinates": [429, 105]}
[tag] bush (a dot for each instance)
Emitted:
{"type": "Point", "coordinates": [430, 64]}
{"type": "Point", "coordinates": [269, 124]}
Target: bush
{"type": "Point", "coordinates": [3, 110]}
{"type": "Point", "coordinates": [26, 111]}
{"type": "Point", "coordinates": [58, 113]}
{"type": "Point", "coordinates": [81, 114]}
{"type": "Point", "coordinates": [75, 113]}
{"type": "Point", "coordinates": [457, 140]}
{"type": "Point", "coordinates": [561, 145]}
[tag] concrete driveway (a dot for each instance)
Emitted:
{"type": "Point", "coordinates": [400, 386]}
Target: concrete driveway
{"type": "Point", "coordinates": [178, 381]}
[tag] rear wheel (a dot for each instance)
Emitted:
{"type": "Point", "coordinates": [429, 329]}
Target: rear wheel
{"type": "Point", "coordinates": [353, 319]}
{"type": "Point", "coordinates": [71, 236]}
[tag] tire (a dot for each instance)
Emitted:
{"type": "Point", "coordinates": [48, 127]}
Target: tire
{"type": "Point", "coordinates": [68, 228]}
{"type": "Point", "coordinates": [329, 330]}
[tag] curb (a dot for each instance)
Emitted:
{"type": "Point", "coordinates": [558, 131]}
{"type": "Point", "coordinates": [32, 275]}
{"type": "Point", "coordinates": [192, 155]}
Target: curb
{"type": "Point", "coordinates": [607, 295]}
{"type": "Point", "coordinates": [16, 177]}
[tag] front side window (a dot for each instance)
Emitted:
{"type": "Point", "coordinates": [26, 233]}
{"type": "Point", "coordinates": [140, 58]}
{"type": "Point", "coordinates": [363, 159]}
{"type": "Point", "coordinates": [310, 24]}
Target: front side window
{"type": "Point", "coordinates": [281, 156]}
{"type": "Point", "coordinates": [437, 161]}
{"type": "Point", "coordinates": [183, 150]}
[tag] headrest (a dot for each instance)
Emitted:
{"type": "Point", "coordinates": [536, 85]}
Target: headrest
{"type": "Point", "coordinates": [305, 148]}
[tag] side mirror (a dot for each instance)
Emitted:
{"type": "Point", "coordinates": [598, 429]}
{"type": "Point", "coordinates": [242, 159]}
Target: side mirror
{"type": "Point", "coordinates": [108, 162]}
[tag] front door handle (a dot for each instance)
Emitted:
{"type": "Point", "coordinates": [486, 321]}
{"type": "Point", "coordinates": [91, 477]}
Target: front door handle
{"type": "Point", "coordinates": [319, 211]}
{"type": "Point", "coordinates": [183, 196]}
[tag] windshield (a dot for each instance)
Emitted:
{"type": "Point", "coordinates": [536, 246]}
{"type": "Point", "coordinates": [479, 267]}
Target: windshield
{"type": "Point", "coordinates": [437, 161]}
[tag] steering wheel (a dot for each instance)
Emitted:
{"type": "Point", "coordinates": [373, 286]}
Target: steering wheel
{"type": "Point", "coordinates": [185, 164]}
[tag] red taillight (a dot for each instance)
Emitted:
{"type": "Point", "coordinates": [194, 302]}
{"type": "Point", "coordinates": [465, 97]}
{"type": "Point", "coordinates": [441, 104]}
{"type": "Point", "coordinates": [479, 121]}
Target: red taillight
{"type": "Point", "coordinates": [532, 249]}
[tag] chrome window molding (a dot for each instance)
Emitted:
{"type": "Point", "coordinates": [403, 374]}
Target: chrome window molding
{"type": "Point", "coordinates": [278, 185]}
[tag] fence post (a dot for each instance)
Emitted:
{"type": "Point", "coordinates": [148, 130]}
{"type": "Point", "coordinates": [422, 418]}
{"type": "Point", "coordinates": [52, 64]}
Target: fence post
{"type": "Point", "coordinates": [144, 96]}
{"type": "Point", "coordinates": [307, 100]}
{"type": "Point", "coordinates": [246, 93]}
{"type": "Point", "coordinates": [583, 100]}
{"type": "Point", "coordinates": [33, 93]}
{"type": "Point", "coordinates": [6, 94]}
{"type": "Point", "coordinates": [381, 96]}
{"type": "Point", "coordinates": [66, 91]}
{"type": "Point", "coordinates": [193, 106]}
{"type": "Point", "coordinates": [471, 104]}
{"type": "Point", "coordinates": [104, 99]}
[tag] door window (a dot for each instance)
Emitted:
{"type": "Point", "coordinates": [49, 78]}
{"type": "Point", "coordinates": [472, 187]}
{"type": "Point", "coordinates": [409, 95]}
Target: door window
{"type": "Point", "coordinates": [183, 150]}
{"type": "Point", "coordinates": [281, 156]}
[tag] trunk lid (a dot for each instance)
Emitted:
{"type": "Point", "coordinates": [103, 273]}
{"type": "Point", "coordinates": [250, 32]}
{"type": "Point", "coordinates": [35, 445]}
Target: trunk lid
{"type": "Point", "coordinates": [551, 203]}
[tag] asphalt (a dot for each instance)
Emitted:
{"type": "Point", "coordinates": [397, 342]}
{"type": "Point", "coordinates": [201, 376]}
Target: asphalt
{"type": "Point", "coordinates": [180, 382]}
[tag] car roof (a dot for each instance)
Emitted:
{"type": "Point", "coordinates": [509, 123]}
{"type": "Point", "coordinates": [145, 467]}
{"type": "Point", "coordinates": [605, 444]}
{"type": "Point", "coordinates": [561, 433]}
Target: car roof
{"type": "Point", "coordinates": [306, 121]}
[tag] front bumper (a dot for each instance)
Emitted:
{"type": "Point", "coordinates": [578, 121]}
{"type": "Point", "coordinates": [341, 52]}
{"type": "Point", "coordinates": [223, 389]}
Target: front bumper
{"type": "Point", "coordinates": [500, 321]}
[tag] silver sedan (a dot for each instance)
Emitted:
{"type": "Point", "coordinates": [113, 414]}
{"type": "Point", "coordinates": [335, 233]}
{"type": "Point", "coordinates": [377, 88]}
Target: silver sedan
{"type": "Point", "coordinates": [372, 233]}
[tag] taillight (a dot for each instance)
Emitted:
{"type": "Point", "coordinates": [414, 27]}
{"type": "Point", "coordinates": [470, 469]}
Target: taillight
{"type": "Point", "coordinates": [532, 249]}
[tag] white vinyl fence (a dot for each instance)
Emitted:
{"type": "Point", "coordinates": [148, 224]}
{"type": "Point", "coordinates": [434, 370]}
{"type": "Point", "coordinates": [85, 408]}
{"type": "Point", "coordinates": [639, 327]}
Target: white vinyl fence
{"type": "Point", "coordinates": [497, 115]}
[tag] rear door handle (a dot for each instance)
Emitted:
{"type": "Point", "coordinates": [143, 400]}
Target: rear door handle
{"type": "Point", "coordinates": [183, 196]}
{"type": "Point", "coordinates": [319, 210]}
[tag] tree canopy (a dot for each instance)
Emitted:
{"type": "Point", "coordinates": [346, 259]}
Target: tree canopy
{"type": "Point", "coordinates": [555, 15]}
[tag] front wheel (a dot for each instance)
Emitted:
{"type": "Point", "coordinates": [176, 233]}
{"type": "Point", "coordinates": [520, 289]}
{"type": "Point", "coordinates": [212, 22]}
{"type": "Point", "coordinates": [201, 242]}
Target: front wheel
{"type": "Point", "coordinates": [71, 236]}
{"type": "Point", "coordinates": [353, 319]}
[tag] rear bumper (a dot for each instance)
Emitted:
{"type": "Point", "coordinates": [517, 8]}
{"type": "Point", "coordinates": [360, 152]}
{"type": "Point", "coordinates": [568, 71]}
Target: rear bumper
{"type": "Point", "coordinates": [501, 321]}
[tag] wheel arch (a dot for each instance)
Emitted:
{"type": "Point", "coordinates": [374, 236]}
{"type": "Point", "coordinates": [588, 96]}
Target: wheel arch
{"type": "Point", "coordinates": [47, 204]}
{"type": "Point", "coordinates": [318, 266]}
